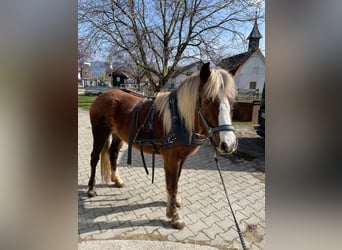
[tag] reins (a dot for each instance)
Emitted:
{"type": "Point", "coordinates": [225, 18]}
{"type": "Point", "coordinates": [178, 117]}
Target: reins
{"type": "Point", "coordinates": [211, 130]}
{"type": "Point", "coordinates": [230, 206]}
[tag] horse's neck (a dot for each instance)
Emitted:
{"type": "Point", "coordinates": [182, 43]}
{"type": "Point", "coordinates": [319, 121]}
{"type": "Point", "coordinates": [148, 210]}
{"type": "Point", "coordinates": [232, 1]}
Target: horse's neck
{"type": "Point", "coordinates": [199, 128]}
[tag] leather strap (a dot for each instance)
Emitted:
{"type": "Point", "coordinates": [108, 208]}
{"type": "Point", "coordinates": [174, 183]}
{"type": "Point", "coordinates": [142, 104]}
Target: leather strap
{"type": "Point", "coordinates": [135, 118]}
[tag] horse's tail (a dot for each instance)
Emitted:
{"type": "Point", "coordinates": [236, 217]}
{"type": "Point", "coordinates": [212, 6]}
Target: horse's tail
{"type": "Point", "coordinates": [105, 163]}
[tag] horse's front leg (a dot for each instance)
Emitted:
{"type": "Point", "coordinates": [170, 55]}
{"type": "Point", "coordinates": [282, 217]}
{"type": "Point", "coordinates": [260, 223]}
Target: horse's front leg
{"type": "Point", "coordinates": [179, 202]}
{"type": "Point", "coordinates": [173, 200]}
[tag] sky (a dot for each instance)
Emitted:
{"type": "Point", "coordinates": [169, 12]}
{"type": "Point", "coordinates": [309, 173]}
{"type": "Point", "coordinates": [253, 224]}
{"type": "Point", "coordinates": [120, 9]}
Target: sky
{"type": "Point", "coordinates": [233, 48]}
{"type": "Point", "coordinates": [233, 51]}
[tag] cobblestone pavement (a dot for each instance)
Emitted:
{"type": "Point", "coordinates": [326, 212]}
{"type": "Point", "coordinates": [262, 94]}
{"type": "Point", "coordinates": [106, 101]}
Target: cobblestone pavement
{"type": "Point", "coordinates": [137, 211]}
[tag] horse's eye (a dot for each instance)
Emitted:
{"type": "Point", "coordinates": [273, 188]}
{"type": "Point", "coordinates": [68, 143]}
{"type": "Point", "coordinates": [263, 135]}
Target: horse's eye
{"type": "Point", "coordinates": [206, 101]}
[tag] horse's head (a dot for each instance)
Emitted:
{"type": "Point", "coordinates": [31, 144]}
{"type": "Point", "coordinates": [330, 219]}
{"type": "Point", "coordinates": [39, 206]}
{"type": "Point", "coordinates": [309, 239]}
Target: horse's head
{"type": "Point", "coordinates": [215, 99]}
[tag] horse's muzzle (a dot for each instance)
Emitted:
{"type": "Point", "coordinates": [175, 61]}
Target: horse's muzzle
{"type": "Point", "coordinates": [224, 149]}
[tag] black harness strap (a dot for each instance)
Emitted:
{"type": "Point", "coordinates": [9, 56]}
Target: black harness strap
{"type": "Point", "coordinates": [135, 117]}
{"type": "Point", "coordinates": [150, 134]}
{"type": "Point", "coordinates": [140, 128]}
{"type": "Point", "coordinates": [150, 128]}
{"type": "Point", "coordinates": [143, 158]}
{"type": "Point", "coordinates": [178, 134]}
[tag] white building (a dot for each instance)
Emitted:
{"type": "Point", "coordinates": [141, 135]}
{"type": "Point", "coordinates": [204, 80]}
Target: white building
{"type": "Point", "coordinates": [183, 72]}
{"type": "Point", "coordinates": [248, 68]}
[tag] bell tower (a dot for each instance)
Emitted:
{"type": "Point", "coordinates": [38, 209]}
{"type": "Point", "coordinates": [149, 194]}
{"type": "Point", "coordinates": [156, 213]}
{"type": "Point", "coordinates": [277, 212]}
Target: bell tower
{"type": "Point", "coordinates": [254, 37]}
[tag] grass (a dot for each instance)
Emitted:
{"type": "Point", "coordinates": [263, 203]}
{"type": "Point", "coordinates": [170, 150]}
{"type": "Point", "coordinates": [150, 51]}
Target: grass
{"type": "Point", "coordinates": [244, 123]}
{"type": "Point", "coordinates": [85, 102]}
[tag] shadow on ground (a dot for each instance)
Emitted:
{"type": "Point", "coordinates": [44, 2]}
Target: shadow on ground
{"type": "Point", "coordinates": [88, 223]}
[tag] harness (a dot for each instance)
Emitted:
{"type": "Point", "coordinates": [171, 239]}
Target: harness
{"type": "Point", "coordinates": [177, 135]}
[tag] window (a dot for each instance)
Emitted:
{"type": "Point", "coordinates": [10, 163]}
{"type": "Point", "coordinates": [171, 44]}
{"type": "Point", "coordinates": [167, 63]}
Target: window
{"type": "Point", "coordinates": [252, 85]}
{"type": "Point", "coordinates": [118, 79]}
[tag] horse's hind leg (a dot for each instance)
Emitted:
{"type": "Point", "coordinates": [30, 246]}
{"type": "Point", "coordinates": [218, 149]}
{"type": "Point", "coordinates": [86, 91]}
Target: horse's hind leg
{"type": "Point", "coordinates": [114, 152]}
{"type": "Point", "coordinates": [100, 136]}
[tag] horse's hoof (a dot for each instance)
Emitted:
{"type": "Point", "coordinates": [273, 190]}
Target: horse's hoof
{"type": "Point", "coordinates": [178, 224]}
{"type": "Point", "coordinates": [179, 202]}
{"type": "Point", "coordinates": [91, 193]}
{"type": "Point", "coordinates": [119, 184]}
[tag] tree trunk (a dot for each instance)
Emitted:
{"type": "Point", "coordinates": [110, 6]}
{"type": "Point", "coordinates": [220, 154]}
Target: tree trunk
{"type": "Point", "coordinates": [157, 88]}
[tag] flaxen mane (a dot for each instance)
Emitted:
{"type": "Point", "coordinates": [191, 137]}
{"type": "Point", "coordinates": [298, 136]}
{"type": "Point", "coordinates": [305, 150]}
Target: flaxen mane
{"type": "Point", "coordinates": [219, 80]}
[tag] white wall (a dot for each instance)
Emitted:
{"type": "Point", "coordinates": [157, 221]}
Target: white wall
{"type": "Point", "coordinates": [252, 71]}
{"type": "Point", "coordinates": [179, 78]}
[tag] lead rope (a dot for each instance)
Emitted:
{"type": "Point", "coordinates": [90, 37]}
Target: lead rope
{"type": "Point", "coordinates": [231, 209]}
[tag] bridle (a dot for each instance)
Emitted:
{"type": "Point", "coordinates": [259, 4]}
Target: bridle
{"type": "Point", "coordinates": [211, 130]}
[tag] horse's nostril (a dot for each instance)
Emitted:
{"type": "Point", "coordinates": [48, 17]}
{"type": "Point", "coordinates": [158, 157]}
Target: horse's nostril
{"type": "Point", "coordinates": [224, 146]}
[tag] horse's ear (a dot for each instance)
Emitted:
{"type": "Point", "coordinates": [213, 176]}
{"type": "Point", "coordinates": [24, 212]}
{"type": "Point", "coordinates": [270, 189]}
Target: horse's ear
{"type": "Point", "coordinates": [205, 72]}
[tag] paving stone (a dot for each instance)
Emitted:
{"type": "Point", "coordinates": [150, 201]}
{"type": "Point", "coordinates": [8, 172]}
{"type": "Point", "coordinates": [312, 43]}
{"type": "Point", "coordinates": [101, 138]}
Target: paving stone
{"type": "Point", "coordinates": [212, 231]}
{"type": "Point", "coordinates": [260, 214]}
{"type": "Point", "coordinates": [200, 237]}
{"type": "Point", "coordinates": [181, 235]}
{"type": "Point", "coordinates": [258, 205]}
{"type": "Point", "coordinates": [142, 211]}
{"type": "Point", "coordinates": [210, 220]}
{"type": "Point", "coordinates": [209, 209]}
{"type": "Point", "coordinates": [138, 231]}
{"type": "Point", "coordinates": [222, 213]}
{"type": "Point", "coordinates": [196, 215]}
{"type": "Point", "coordinates": [139, 207]}
{"type": "Point", "coordinates": [229, 235]}
{"type": "Point", "coordinates": [105, 235]}
{"type": "Point", "coordinates": [165, 231]}
{"type": "Point", "coordinates": [198, 226]}
{"type": "Point", "coordinates": [87, 235]}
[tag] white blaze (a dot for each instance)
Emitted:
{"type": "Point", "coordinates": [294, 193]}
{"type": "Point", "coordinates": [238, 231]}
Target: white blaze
{"type": "Point", "coordinates": [224, 119]}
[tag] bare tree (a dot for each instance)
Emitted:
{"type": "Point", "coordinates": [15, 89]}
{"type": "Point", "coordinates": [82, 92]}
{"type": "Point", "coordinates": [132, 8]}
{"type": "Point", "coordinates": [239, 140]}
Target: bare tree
{"type": "Point", "coordinates": [116, 55]}
{"type": "Point", "coordinates": [158, 34]}
{"type": "Point", "coordinates": [84, 54]}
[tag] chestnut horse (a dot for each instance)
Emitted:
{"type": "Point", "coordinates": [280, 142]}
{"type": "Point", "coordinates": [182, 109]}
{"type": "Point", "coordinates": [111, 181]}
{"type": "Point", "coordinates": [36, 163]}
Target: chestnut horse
{"type": "Point", "coordinates": [204, 103]}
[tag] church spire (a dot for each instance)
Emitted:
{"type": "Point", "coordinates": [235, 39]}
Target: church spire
{"type": "Point", "coordinates": [254, 37]}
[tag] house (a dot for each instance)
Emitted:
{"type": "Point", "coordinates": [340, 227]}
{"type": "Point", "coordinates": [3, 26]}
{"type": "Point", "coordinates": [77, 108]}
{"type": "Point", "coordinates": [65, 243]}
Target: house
{"type": "Point", "coordinates": [119, 76]}
{"type": "Point", "coordinates": [248, 68]}
{"type": "Point", "coordinates": [83, 73]}
{"type": "Point", "coordinates": [182, 72]}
